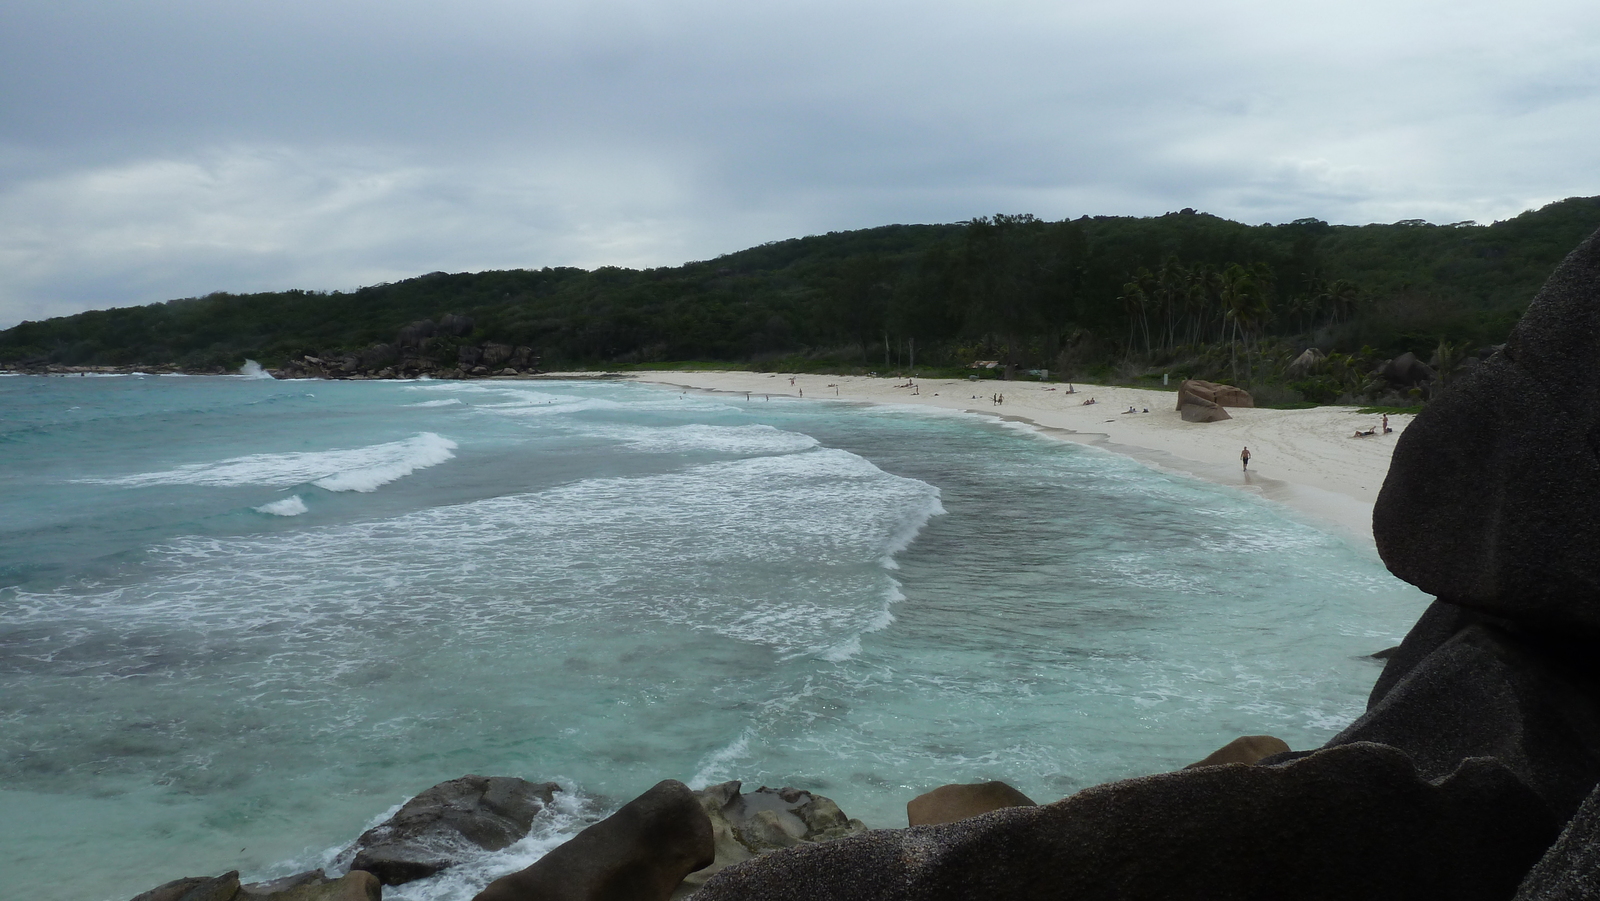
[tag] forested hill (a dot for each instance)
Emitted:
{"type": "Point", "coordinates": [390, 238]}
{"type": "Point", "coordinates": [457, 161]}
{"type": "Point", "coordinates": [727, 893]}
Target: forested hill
{"type": "Point", "coordinates": [1075, 295]}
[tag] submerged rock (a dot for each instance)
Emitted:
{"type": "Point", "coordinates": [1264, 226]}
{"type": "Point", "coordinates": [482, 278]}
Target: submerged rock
{"type": "Point", "coordinates": [453, 819]}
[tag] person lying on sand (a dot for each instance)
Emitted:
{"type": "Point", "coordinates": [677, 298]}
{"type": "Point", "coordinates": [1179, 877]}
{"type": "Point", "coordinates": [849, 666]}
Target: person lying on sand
{"type": "Point", "coordinates": [1088, 402]}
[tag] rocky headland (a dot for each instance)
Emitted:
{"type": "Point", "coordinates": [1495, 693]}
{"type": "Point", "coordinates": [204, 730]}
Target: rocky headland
{"type": "Point", "coordinates": [1472, 774]}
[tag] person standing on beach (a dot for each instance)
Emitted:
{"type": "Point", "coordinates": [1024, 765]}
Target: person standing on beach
{"type": "Point", "coordinates": [1244, 457]}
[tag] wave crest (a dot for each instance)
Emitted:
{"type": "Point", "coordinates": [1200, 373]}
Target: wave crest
{"type": "Point", "coordinates": [361, 469]}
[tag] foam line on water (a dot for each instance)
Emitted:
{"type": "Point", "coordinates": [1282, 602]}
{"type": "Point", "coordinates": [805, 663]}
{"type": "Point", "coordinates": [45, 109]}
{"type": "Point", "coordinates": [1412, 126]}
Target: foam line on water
{"type": "Point", "coordinates": [721, 439]}
{"type": "Point", "coordinates": [354, 469]}
{"type": "Point", "coordinates": [590, 550]}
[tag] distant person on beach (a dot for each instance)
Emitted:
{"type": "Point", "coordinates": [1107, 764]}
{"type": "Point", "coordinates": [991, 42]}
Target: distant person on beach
{"type": "Point", "coordinates": [1244, 457]}
{"type": "Point", "coordinates": [1386, 429]}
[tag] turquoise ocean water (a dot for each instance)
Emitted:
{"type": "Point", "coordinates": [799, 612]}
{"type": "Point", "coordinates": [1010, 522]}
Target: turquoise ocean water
{"type": "Point", "coordinates": [241, 619]}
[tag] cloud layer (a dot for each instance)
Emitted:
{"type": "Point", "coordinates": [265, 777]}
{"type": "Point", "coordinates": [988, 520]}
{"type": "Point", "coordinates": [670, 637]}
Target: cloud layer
{"type": "Point", "coordinates": [168, 149]}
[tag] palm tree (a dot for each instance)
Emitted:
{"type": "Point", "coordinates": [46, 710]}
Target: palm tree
{"type": "Point", "coordinates": [1136, 300]}
{"type": "Point", "coordinates": [1237, 294]}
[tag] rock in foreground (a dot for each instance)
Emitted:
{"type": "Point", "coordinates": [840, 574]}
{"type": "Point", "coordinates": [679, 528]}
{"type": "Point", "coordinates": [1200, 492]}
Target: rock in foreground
{"type": "Point", "coordinates": [448, 822]}
{"type": "Point", "coordinates": [949, 803]}
{"type": "Point", "coordinates": [640, 853]}
{"type": "Point", "coordinates": [1349, 822]}
{"type": "Point", "coordinates": [744, 825]}
{"type": "Point", "coordinates": [1493, 496]}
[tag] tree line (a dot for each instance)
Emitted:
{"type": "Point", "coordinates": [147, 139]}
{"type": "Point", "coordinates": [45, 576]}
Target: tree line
{"type": "Point", "coordinates": [1093, 296]}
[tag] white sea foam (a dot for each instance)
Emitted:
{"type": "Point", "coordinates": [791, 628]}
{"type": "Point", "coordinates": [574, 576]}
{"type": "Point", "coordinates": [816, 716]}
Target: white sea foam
{"type": "Point", "coordinates": [715, 766]}
{"type": "Point", "coordinates": [354, 469]}
{"type": "Point", "coordinates": [252, 370]}
{"type": "Point", "coordinates": [722, 439]}
{"type": "Point", "coordinates": [289, 506]}
{"type": "Point", "coordinates": [451, 402]}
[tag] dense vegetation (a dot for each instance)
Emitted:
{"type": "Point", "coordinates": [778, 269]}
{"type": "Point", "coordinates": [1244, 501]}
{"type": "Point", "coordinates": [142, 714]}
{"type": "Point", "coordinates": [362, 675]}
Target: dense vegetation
{"type": "Point", "coordinates": [1103, 297]}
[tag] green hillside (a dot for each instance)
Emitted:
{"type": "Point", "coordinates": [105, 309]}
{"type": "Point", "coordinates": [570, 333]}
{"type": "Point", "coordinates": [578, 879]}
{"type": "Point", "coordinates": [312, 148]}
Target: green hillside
{"type": "Point", "coordinates": [1080, 296]}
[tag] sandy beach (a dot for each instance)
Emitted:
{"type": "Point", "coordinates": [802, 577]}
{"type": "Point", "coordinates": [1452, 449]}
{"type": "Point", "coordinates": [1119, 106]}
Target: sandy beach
{"type": "Point", "coordinates": [1306, 459]}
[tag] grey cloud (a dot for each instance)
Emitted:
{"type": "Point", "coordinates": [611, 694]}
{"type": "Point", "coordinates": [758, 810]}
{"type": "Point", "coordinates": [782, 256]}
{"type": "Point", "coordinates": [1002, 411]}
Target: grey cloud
{"type": "Point", "coordinates": [170, 148]}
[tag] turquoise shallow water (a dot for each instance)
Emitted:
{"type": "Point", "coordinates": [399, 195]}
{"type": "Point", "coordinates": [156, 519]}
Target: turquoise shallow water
{"type": "Point", "coordinates": [242, 619]}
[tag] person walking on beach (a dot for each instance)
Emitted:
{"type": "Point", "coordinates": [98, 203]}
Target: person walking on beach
{"type": "Point", "coordinates": [1244, 457]}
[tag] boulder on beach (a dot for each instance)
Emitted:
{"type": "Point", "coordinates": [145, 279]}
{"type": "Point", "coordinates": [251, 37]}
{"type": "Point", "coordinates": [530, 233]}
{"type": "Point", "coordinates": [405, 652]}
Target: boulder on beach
{"type": "Point", "coordinates": [949, 803]}
{"type": "Point", "coordinates": [1196, 411]}
{"type": "Point", "coordinates": [1355, 821]}
{"type": "Point", "coordinates": [1200, 391]}
{"type": "Point", "coordinates": [640, 853]}
{"type": "Point", "coordinates": [1246, 749]}
{"type": "Point", "coordinates": [1490, 499]}
{"type": "Point", "coordinates": [437, 828]}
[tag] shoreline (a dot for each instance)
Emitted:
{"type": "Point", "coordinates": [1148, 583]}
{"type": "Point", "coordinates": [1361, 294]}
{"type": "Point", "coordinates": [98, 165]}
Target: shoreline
{"type": "Point", "coordinates": [1307, 460]}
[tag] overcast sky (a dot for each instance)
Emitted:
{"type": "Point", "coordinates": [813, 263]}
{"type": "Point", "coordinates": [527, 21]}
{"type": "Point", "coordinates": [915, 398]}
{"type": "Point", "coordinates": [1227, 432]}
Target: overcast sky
{"type": "Point", "coordinates": [152, 149]}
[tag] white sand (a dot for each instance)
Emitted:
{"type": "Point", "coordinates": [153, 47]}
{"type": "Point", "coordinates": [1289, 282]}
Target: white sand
{"type": "Point", "coordinates": [1306, 459]}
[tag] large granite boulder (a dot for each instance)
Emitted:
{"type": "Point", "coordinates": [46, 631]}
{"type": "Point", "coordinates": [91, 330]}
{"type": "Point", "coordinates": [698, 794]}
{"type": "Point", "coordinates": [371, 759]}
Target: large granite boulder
{"type": "Point", "coordinates": [1406, 371]}
{"type": "Point", "coordinates": [640, 853]}
{"type": "Point", "coordinates": [744, 825]}
{"type": "Point", "coordinates": [1194, 410]}
{"type": "Point", "coordinates": [1484, 691]}
{"type": "Point", "coordinates": [949, 803]}
{"type": "Point", "coordinates": [412, 335]}
{"type": "Point", "coordinates": [1308, 361]}
{"type": "Point", "coordinates": [1491, 497]}
{"type": "Point", "coordinates": [1193, 390]}
{"type": "Point", "coordinates": [455, 324]}
{"type": "Point", "coordinates": [1570, 870]}
{"type": "Point", "coordinates": [1355, 821]}
{"type": "Point", "coordinates": [449, 822]}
